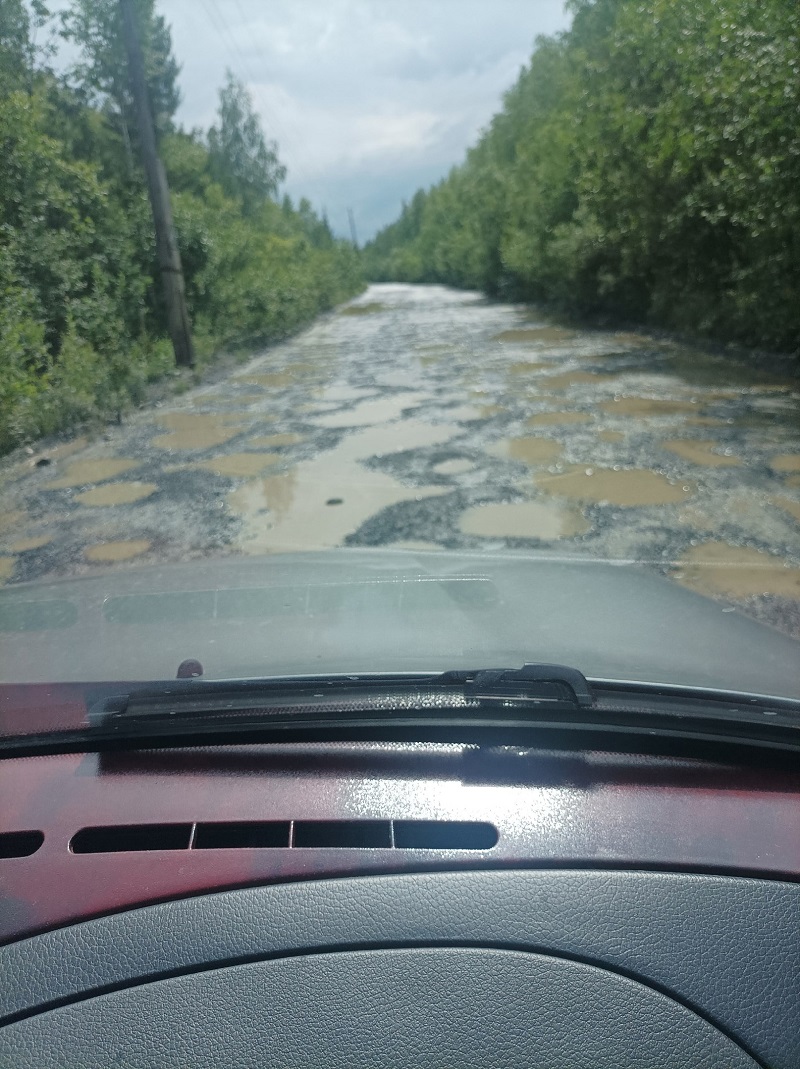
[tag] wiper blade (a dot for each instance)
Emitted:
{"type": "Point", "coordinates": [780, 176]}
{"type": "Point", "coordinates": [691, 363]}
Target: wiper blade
{"type": "Point", "coordinates": [544, 706]}
{"type": "Point", "coordinates": [189, 700]}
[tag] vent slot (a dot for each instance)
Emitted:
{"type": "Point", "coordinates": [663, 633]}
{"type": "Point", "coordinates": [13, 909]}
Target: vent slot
{"type": "Point", "coordinates": [444, 835]}
{"type": "Point", "coordinates": [242, 835]}
{"type": "Point", "coordinates": [20, 843]}
{"type": "Point", "coordinates": [270, 835]}
{"type": "Point", "coordinates": [131, 837]}
{"type": "Point", "coordinates": [355, 834]}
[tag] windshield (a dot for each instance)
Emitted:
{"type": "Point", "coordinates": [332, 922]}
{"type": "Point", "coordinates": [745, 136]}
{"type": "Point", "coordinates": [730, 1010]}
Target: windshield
{"type": "Point", "coordinates": [400, 337]}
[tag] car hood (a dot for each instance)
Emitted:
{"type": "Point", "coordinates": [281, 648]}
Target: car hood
{"type": "Point", "coordinates": [347, 611]}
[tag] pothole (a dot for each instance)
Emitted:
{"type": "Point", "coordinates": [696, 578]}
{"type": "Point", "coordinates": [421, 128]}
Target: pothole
{"type": "Point", "coordinates": [789, 462]}
{"type": "Point", "coordinates": [736, 571]}
{"type": "Point", "coordinates": [546, 419]}
{"type": "Point", "coordinates": [25, 545]}
{"type": "Point", "coordinates": [81, 472]}
{"type": "Point", "coordinates": [116, 551]}
{"type": "Point", "coordinates": [646, 406]}
{"type": "Point", "coordinates": [541, 335]}
{"type": "Point", "coordinates": [701, 453]}
{"type": "Point", "coordinates": [629, 487]}
{"type": "Point", "coordinates": [240, 465]}
{"type": "Point", "coordinates": [528, 519]}
{"type": "Point", "coordinates": [198, 430]}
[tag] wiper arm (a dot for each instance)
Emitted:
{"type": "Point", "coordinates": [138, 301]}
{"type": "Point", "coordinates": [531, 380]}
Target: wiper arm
{"type": "Point", "coordinates": [191, 700]}
{"type": "Point", "coordinates": [540, 705]}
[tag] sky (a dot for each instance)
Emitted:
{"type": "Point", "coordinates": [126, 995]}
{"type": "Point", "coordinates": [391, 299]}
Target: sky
{"type": "Point", "coordinates": [368, 99]}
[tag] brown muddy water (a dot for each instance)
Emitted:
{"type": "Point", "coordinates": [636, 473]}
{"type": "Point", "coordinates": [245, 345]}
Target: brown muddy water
{"type": "Point", "coordinates": [423, 418]}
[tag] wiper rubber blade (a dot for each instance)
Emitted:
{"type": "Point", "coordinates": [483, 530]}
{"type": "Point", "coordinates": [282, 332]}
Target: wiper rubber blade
{"type": "Point", "coordinates": [185, 700]}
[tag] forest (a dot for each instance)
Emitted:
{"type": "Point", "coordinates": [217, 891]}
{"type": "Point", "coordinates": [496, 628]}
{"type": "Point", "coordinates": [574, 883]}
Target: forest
{"type": "Point", "coordinates": [645, 167]}
{"type": "Point", "coordinates": [82, 323]}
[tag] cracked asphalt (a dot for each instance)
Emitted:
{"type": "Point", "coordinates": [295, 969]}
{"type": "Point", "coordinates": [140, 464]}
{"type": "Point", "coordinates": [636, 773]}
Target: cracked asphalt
{"type": "Point", "coordinates": [423, 418]}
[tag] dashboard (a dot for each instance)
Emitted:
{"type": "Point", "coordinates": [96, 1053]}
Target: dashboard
{"type": "Point", "coordinates": [397, 904]}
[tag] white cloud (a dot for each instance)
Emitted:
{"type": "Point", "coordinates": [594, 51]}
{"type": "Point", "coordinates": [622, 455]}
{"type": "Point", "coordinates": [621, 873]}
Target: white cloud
{"type": "Point", "coordinates": [368, 99]}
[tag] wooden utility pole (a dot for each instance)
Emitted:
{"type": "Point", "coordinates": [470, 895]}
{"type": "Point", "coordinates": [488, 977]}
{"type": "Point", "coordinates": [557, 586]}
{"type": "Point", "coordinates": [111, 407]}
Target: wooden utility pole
{"type": "Point", "coordinates": [169, 257]}
{"type": "Point", "coordinates": [353, 234]}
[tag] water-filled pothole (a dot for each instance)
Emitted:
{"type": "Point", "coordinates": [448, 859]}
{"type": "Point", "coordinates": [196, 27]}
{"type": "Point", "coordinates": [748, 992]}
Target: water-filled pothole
{"type": "Point", "coordinates": [627, 487]}
{"type": "Point", "coordinates": [736, 571]}
{"type": "Point", "coordinates": [528, 519]}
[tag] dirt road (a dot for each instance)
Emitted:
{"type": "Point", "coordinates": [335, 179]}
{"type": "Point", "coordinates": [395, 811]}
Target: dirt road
{"type": "Point", "coordinates": [422, 418]}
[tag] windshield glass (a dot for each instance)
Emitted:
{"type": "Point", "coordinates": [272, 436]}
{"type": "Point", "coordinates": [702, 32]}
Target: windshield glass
{"type": "Point", "coordinates": [400, 336]}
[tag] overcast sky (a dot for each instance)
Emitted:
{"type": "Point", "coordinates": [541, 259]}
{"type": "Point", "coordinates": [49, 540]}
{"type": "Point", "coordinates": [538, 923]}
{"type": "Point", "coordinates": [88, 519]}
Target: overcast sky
{"type": "Point", "coordinates": [368, 99]}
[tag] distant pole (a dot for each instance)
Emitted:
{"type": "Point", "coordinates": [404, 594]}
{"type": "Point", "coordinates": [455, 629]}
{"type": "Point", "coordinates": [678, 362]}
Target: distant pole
{"type": "Point", "coordinates": [353, 234]}
{"type": "Point", "coordinates": [169, 257]}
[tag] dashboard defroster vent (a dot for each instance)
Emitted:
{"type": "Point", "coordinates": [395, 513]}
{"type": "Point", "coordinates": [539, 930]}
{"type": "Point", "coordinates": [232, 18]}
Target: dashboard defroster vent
{"type": "Point", "coordinates": [20, 843]}
{"type": "Point", "coordinates": [293, 835]}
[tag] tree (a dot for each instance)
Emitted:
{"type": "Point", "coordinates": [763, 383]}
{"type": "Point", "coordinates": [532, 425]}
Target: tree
{"type": "Point", "coordinates": [244, 163]}
{"type": "Point", "coordinates": [101, 74]}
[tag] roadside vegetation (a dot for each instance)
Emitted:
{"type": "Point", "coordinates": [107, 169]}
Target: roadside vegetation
{"type": "Point", "coordinates": [645, 166]}
{"type": "Point", "coordinates": [82, 326]}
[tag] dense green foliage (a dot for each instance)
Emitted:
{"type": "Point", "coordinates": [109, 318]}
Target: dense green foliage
{"type": "Point", "coordinates": [646, 164]}
{"type": "Point", "coordinates": [82, 327]}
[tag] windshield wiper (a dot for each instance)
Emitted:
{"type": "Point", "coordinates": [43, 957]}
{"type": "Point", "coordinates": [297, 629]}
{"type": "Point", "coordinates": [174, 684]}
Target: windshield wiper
{"type": "Point", "coordinates": [541, 705]}
{"type": "Point", "coordinates": [185, 700]}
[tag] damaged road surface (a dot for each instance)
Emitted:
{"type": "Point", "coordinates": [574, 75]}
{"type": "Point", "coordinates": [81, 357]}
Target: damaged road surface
{"type": "Point", "coordinates": [422, 418]}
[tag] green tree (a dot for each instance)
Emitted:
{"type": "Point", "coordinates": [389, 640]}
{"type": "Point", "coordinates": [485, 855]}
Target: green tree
{"type": "Point", "coordinates": [244, 163]}
{"type": "Point", "coordinates": [101, 73]}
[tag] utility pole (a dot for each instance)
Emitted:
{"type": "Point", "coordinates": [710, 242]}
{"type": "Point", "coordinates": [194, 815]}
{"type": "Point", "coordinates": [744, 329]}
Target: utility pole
{"type": "Point", "coordinates": [169, 257]}
{"type": "Point", "coordinates": [353, 234]}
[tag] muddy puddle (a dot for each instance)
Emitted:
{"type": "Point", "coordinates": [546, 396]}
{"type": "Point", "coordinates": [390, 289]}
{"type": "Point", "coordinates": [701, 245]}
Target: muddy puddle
{"type": "Point", "coordinates": [788, 463]}
{"type": "Point", "coordinates": [547, 419]}
{"type": "Point", "coordinates": [111, 552]}
{"type": "Point", "coordinates": [736, 572]}
{"type": "Point", "coordinates": [709, 454]}
{"type": "Point", "coordinates": [116, 494]}
{"type": "Point", "coordinates": [25, 545]}
{"type": "Point", "coordinates": [785, 503]}
{"type": "Point", "coordinates": [532, 451]}
{"type": "Point", "coordinates": [647, 406]}
{"type": "Point", "coordinates": [274, 441]}
{"type": "Point", "coordinates": [536, 336]}
{"type": "Point", "coordinates": [703, 421]}
{"type": "Point", "coordinates": [83, 472]}
{"type": "Point", "coordinates": [528, 519]}
{"type": "Point", "coordinates": [12, 520]}
{"type": "Point", "coordinates": [317, 503]}
{"type": "Point", "coordinates": [240, 465]}
{"type": "Point", "coordinates": [627, 487]}
{"type": "Point", "coordinates": [198, 430]}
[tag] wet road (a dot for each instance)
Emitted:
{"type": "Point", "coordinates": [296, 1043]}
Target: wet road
{"type": "Point", "coordinates": [424, 418]}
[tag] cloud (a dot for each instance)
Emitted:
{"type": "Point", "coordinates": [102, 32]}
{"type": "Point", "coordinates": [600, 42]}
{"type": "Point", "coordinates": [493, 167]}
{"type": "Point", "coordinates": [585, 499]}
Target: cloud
{"type": "Point", "coordinates": [367, 99]}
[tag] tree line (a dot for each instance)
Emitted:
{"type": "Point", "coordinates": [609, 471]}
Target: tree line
{"type": "Point", "coordinates": [645, 166]}
{"type": "Point", "coordinates": [82, 326]}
